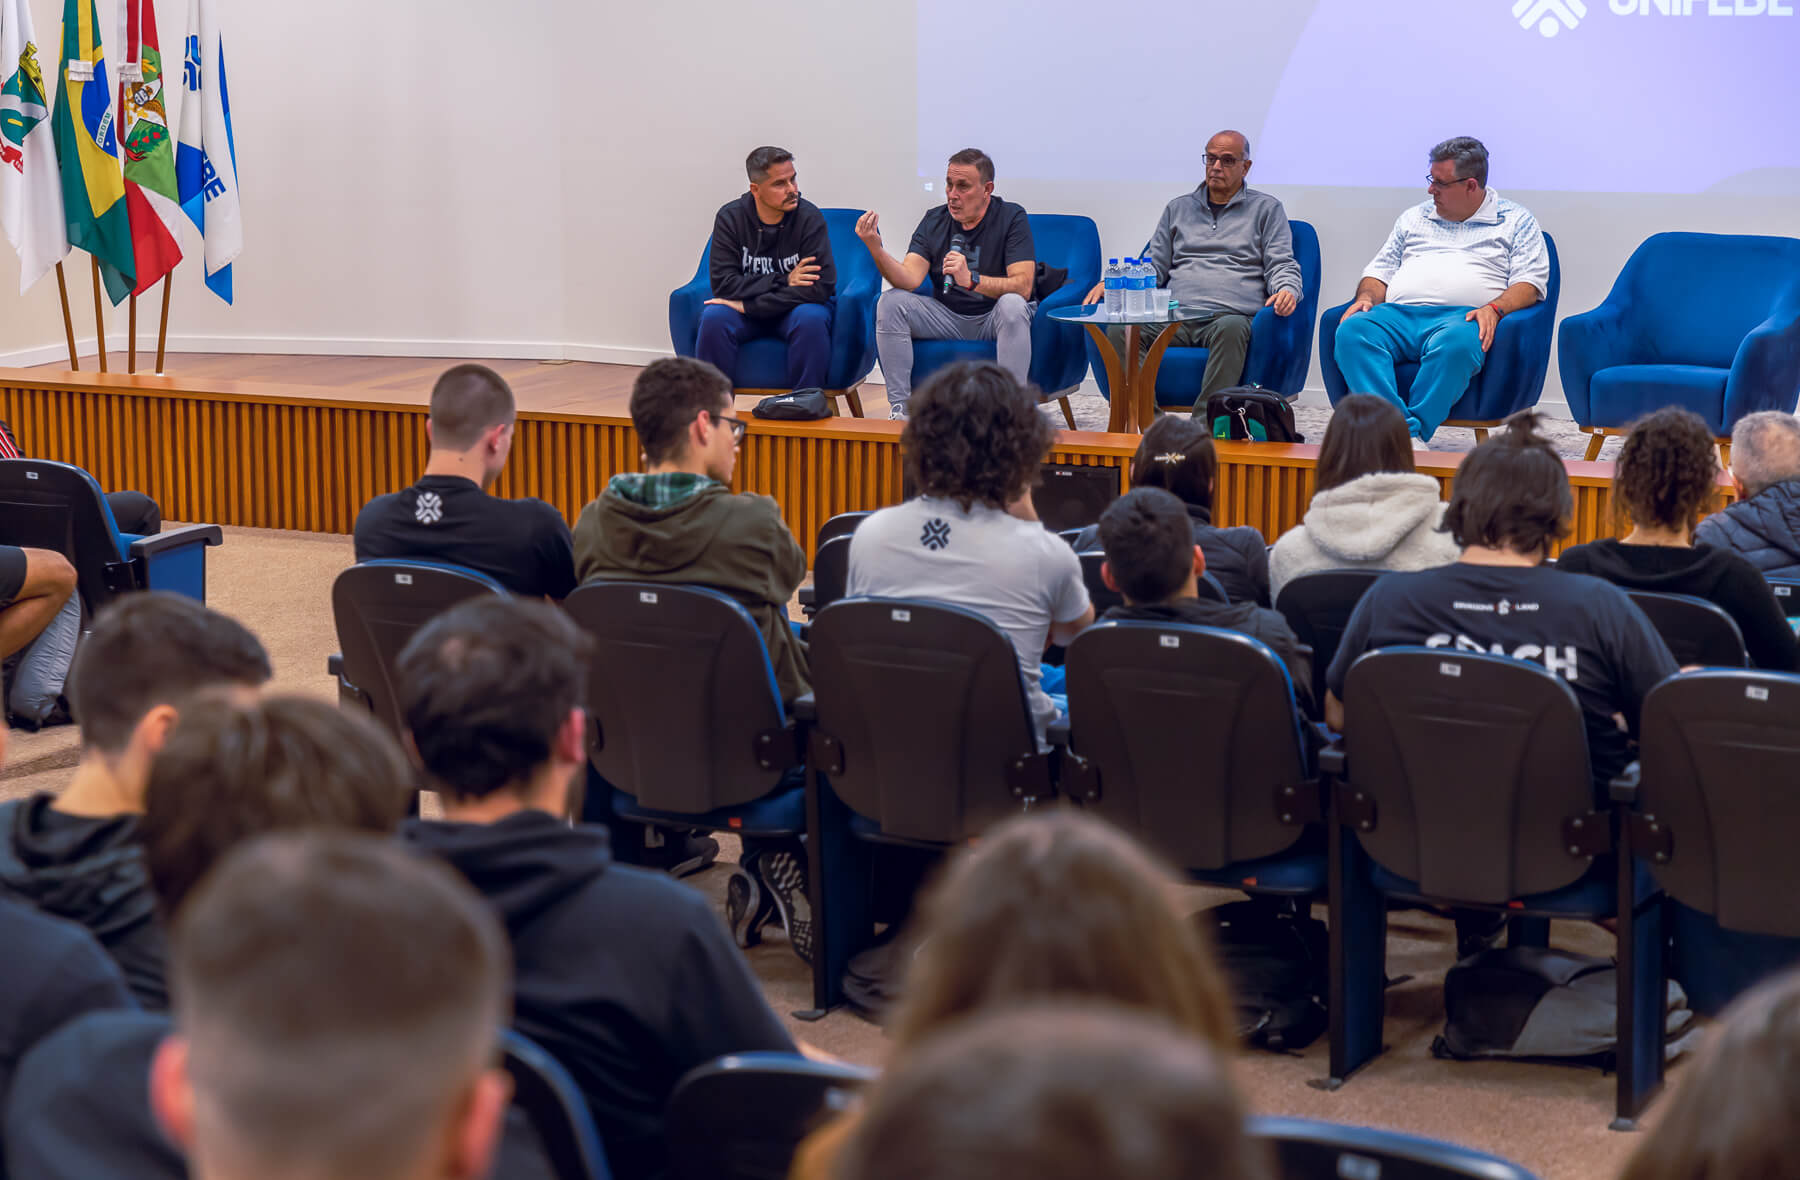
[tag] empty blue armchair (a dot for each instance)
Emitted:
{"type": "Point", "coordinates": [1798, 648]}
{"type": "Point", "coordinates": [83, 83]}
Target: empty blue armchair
{"type": "Point", "coordinates": [1512, 377]}
{"type": "Point", "coordinates": [1280, 346]}
{"type": "Point", "coordinates": [1708, 322]}
{"type": "Point", "coordinates": [762, 364]}
{"type": "Point", "coordinates": [1058, 361]}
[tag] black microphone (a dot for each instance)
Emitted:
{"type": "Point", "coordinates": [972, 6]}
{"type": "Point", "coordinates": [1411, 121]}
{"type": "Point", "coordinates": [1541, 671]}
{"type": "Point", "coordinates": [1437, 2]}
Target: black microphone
{"type": "Point", "coordinates": [956, 247]}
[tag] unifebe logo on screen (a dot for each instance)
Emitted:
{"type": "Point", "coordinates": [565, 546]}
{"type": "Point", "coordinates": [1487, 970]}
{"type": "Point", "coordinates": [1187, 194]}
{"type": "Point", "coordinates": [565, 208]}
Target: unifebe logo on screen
{"type": "Point", "coordinates": [1551, 17]}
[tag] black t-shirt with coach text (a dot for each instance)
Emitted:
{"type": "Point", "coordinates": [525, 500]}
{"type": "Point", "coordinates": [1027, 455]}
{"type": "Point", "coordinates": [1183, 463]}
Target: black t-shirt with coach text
{"type": "Point", "coordinates": [1579, 628]}
{"type": "Point", "coordinates": [1001, 238]}
{"type": "Point", "coordinates": [522, 544]}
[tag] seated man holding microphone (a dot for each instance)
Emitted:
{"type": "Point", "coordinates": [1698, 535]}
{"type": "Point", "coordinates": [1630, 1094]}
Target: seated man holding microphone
{"type": "Point", "coordinates": [977, 251]}
{"type": "Point", "coordinates": [1226, 248]}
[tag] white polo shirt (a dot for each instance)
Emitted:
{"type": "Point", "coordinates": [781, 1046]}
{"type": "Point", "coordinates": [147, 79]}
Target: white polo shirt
{"type": "Point", "coordinates": [1430, 262]}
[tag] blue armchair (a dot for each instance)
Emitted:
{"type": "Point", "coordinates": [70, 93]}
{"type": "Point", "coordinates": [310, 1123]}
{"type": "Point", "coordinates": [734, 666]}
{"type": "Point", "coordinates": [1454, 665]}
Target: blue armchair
{"type": "Point", "coordinates": [1512, 378]}
{"type": "Point", "coordinates": [1280, 346]}
{"type": "Point", "coordinates": [1708, 322]}
{"type": "Point", "coordinates": [1058, 363]}
{"type": "Point", "coordinates": [762, 363]}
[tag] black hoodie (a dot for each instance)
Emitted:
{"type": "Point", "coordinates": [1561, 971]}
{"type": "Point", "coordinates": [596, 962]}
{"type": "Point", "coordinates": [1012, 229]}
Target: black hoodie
{"type": "Point", "coordinates": [751, 259]}
{"type": "Point", "coordinates": [91, 872]}
{"type": "Point", "coordinates": [1720, 576]}
{"type": "Point", "coordinates": [624, 976]}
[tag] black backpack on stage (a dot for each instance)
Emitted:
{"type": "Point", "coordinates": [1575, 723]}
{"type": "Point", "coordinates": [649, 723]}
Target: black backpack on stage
{"type": "Point", "coordinates": [1250, 413]}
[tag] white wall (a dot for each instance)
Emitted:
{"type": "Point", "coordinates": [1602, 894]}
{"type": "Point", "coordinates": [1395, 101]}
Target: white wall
{"type": "Point", "coordinates": [532, 179]}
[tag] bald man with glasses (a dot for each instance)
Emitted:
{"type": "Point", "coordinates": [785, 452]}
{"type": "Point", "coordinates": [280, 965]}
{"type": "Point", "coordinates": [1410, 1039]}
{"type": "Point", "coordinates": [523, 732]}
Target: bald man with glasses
{"type": "Point", "coordinates": [1226, 249]}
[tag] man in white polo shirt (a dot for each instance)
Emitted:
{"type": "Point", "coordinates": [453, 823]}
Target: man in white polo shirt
{"type": "Point", "coordinates": [1451, 268]}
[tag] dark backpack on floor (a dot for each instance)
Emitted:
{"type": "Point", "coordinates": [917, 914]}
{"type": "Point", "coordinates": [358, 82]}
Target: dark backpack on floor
{"type": "Point", "coordinates": [1275, 960]}
{"type": "Point", "coordinates": [1250, 413]}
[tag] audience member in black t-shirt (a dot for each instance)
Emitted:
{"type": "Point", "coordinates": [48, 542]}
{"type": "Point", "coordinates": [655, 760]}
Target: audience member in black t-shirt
{"type": "Point", "coordinates": [448, 515]}
{"type": "Point", "coordinates": [976, 252]}
{"type": "Point", "coordinates": [78, 855]}
{"type": "Point", "coordinates": [623, 974]}
{"type": "Point", "coordinates": [1667, 470]}
{"type": "Point", "coordinates": [1177, 455]}
{"type": "Point", "coordinates": [1509, 505]}
{"type": "Point", "coordinates": [1153, 560]}
{"type": "Point", "coordinates": [235, 768]}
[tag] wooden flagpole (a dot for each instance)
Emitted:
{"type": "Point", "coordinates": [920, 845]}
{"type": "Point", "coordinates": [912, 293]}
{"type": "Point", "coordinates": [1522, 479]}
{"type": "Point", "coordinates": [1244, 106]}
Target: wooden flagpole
{"type": "Point", "coordinates": [162, 335]}
{"type": "Point", "coordinates": [62, 288]}
{"type": "Point", "coordinates": [131, 347]}
{"type": "Point", "coordinates": [99, 323]}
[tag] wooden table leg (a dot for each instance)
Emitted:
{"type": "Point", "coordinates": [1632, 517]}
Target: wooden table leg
{"type": "Point", "coordinates": [1147, 375]}
{"type": "Point", "coordinates": [1134, 414]}
{"type": "Point", "coordinates": [1116, 382]}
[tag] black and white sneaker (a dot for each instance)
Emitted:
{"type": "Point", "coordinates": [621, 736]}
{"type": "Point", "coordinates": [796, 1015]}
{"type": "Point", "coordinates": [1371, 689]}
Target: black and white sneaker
{"type": "Point", "coordinates": [748, 906]}
{"type": "Point", "coordinates": [783, 874]}
{"type": "Point", "coordinates": [682, 855]}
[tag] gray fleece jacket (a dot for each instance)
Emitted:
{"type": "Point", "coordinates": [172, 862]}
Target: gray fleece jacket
{"type": "Point", "coordinates": [1387, 521]}
{"type": "Point", "coordinates": [1231, 263]}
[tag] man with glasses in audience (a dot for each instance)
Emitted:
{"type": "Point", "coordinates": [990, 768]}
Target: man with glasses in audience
{"type": "Point", "coordinates": [1227, 249]}
{"type": "Point", "coordinates": [1451, 269]}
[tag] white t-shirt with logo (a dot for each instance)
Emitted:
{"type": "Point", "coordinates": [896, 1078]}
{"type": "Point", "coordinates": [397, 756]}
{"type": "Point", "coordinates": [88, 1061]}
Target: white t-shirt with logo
{"type": "Point", "coordinates": [1430, 262]}
{"type": "Point", "coordinates": [1017, 573]}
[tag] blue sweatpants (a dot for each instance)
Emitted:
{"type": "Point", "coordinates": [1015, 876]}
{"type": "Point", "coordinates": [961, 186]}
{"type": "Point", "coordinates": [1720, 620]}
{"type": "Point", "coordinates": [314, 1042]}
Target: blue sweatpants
{"type": "Point", "coordinates": [1445, 346]}
{"type": "Point", "coordinates": [807, 330]}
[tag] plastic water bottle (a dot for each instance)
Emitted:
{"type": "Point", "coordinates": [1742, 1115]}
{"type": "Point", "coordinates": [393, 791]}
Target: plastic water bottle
{"type": "Point", "coordinates": [1138, 302]}
{"type": "Point", "coordinates": [1115, 288]}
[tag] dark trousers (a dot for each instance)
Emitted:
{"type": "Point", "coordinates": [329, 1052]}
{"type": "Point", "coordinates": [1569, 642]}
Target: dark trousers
{"type": "Point", "coordinates": [1225, 337]}
{"type": "Point", "coordinates": [807, 330]}
{"type": "Point", "coordinates": [135, 513]}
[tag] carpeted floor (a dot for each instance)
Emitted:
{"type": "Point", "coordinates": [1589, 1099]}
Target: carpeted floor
{"type": "Point", "coordinates": [1551, 1119]}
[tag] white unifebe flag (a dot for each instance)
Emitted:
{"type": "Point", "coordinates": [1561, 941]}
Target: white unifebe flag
{"type": "Point", "coordinates": [205, 156]}
{"type": "Point", "coordinates": [31, 202]}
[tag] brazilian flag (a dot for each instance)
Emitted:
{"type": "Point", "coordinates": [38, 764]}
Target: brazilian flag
{"type": "Point", "coordinates": [87, 152]}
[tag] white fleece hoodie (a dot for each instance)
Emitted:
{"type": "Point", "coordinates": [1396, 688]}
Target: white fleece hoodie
{"type": "Point", "coordinates": [1388, 521]}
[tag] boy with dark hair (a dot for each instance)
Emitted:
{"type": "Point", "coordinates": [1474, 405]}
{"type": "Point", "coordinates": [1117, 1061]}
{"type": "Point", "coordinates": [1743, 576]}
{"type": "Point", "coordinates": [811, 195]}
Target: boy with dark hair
{"type": "Point", "coordinates": [772, 274]}
{"type": "Point", "coordinates": [679, 521]}
{"type": "Point", "coordinates": [232, 770]}
{"type": "Point", "coordinates": [1510, 504]}
{"type": "Point", "coordinates": [971, 537]}
{"type": "Point", "coordinates": [78, 855]}
{"type": "Point", "coordinates": [1152, 559]}
{"type": "Point", "coordinates": [623, 974]}
{"type": "Point", "coordinates": [449, 516]}
{"type": "Point", "coordinates": [338, 1014]}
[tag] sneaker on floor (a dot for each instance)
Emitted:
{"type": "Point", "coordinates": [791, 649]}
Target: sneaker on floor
{"type": "Point", "coordinates": [683, 856]}
{"type": "Point", "coordinates": [783, 874]}
{"type": "Point", "coordinates": [748, 906]}
{"type": "Point", "coordinates": [1420, 444]}
{"type": "Point", "coordinates": [897, 413]}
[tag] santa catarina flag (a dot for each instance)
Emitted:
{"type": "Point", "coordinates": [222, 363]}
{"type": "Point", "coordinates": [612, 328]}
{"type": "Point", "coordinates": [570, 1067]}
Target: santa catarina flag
{"type": "Point", "coordinates": [205, 153]}
{"type": "Point", "coordinates": [31, 203]}
{"type": "Point", "coordinates": [149, 146]}
{"type": "Point", "coordinates": [87, 150]}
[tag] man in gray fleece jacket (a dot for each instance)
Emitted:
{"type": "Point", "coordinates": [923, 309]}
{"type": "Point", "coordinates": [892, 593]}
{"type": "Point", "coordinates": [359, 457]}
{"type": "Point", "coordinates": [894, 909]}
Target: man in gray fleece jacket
{"type": "Point", "coordinates": [1226, 249]}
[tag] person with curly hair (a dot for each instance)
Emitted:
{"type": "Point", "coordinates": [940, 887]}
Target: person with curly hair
{"type": "Point", "coordinates": [1667, 470]}
{"type": "Point", "coordinates": [1511, 503]}
{"type": "Point", "coordinates": [971, 537]}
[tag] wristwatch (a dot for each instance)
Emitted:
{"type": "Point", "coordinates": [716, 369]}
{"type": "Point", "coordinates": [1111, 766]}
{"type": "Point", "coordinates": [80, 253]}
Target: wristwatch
{"type": "Point", "coordinates": [974, 281]}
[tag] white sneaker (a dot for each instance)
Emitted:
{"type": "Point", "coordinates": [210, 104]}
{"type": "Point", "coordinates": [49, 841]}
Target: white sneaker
{"type": "Point", "coordinates": [897, 413]}
{"type": "Point", "coordinates": [1420, 444]}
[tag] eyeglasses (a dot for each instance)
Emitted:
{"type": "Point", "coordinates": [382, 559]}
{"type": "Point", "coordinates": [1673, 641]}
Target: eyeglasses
{"type": "Point", "coordinates": [1222, 161]}
{"type": "Point", "coordinates": [738, 426]}
{"type": "Point", "coordinates": [1432, 182]}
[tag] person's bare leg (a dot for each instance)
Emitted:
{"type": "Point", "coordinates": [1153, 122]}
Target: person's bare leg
{"type": "Point", "coordinates": [49, 580]}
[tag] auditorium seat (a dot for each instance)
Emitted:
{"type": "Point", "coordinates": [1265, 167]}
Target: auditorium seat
{"type": "Point", "coordinates": [831, 574]}
{"type": "Point", "coordinates": [377, 607]}
{"type": "Point", "coordinates": [554, 1106]}
{"type": "Point", "coordinates": [919, 735]}
{"type": "Point", "coordinates": [1280, 346]}
{"type": "Point", "coordinates": [762, 363]}
{"type": "Point", "coordinates": [1708, 322]}
{"type": "Point", "coordinates": [1699, 633]}
{"type": "Point", "coordinates": [1515, 830]}
{"type": "Point", "coordinates": [1317, 607]}
{"type": "Point", "coordinates": [58, 506]}
{"type": "Point", "coordinates": [1059, 363]}
{"type": "Point", "coordinates": [742, 1117]}
{"type": "Point", "coordinates": [1787, 596]}
{"type": "Point", "coordinates": [1713, 812]}
{"type": "Point", "coordinates": [1188, 738]}
{"type": "Point", "coordinates": [1308, 1149]}
{"type": "Point", "coordinates": [1510, 380]}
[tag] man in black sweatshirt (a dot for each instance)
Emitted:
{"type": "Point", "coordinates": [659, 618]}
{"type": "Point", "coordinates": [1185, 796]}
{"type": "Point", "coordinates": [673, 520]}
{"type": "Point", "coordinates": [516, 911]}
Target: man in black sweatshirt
{"type": "Point", "coordinates": [624, 975]}
{"type": "Point", "coordinates": [772, 274]}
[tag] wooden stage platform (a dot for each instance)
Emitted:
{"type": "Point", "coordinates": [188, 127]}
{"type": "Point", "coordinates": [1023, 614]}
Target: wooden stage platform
{"type": "Point", "coordinates": [301, 442]}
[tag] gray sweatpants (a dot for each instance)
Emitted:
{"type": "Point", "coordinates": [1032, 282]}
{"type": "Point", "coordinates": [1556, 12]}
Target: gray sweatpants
{"type": "Point", "coordinates": [904, 316]}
